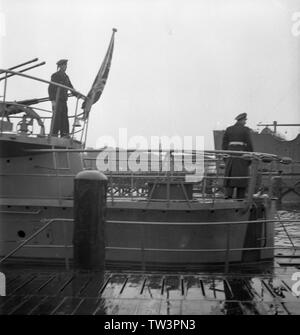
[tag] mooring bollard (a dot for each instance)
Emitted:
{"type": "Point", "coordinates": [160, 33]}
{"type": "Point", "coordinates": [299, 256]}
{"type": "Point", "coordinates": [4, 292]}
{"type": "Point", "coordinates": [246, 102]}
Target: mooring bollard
{"type": "Point", "coordinates": [89, 218]}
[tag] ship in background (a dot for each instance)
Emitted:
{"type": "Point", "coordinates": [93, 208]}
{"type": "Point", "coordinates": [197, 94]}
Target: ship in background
{"type": "Point", "coordinates": [287, 177]}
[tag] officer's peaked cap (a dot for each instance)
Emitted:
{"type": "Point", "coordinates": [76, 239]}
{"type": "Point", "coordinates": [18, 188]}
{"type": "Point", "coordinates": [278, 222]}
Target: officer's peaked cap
{"type": "Point", "coordinates": [241, 116]}
{"type": "Point", "coordinates": [61, 62]}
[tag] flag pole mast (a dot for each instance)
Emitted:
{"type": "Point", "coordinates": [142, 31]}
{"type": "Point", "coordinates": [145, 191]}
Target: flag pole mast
{"type": "Point", "coordinates": [86, 131]}
{"type": "Point", "coordinates": [98, 86]}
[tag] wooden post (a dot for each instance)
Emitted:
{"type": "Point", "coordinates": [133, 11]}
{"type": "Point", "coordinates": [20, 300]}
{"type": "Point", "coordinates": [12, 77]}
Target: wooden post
{"type": "Point", "coordinates": [89, 218]}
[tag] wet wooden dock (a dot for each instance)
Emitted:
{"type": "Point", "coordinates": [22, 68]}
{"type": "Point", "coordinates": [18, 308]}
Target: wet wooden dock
{"type": "Point", "coordinates": [33, 292]}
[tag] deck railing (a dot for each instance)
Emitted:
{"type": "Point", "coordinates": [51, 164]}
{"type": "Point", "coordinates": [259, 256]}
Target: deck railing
{"type": "Point", "coordinates": [209, 183]}
{"type": "Point", "coordinates": [9, 109]}
{"type": "Point", "coordinates": [205, 182]}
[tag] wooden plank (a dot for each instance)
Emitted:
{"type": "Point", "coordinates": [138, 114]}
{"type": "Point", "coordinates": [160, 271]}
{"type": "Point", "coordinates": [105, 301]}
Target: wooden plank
{"type": "Point", "coordinates": [201, 307]}
{"type": "Point", "coordinates": [293, 308]}
{"type": "Point", "coordinates": [219, 289]}
{"type": "Point", "coordinates": [18, 283]}
{"type": "Point", "coordinates": [280, 290]}
{"type": "Point", "coordinates": [274, 308]}
{"type": "Point", "coordinates": [87, 306]}
{"type": "Point", "coordinates": [10, 277]}
{"type": "Point", "coordinates": [34, 292]}
{"type": "Point", "coordinates": [148, 307]}
{"type": "Point", "coordinates": [173, 287]}
{"type": "Point", "coordinates": [56, 286]}
{"type": "Point", "coordinates": [232, 308]}
{"type": "Point", "coordinates": [288, 261]}
{"type": "Point", "coordinates": [11, 304]}
{"type": "Point", "coordinates": [117, 307]}
{"type": "Point", "coordinates": [155, 286]}
{"type": "Point", "coordinates": [28, 305]}
{"type": "Point", "coordinates": [17, 306]}
{"type": "Point", "coordinates": [115, 286]}
{"type": "Point", "coordinates": [240, 289]}
{"type": "Point", "coordinates": [193, 288]}
{"type": "Point", "coordinates": [47, 306]}
{"type": "Point", "coordinates": [252, 308]}
{"type": "Point", "coordinates": [171, 307]}
{"type": "Point", "coordinates": [32, 287]}
{"type": "Point", "coordinates": [75, 285]}
{"type": "Point", "coordinates": [208, 287]}
{"type": "Point", "coordinates": [94, 286]}
{"type": "Point", "coordinates": [102, 307]}
{"type": "Point", "coordinates": [260, 290]}
{"type": "Point", "coordinates": [68, 306]}
{"type": "Point", "coordinates": [4, 300]}
{"type": "Point", "coordinates": [133, 288]}
{"type": "Point", "coordinates": [287, 253]}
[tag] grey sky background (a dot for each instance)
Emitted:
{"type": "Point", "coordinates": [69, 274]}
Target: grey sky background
{"type": "Point", "coordinates": [179, 67]}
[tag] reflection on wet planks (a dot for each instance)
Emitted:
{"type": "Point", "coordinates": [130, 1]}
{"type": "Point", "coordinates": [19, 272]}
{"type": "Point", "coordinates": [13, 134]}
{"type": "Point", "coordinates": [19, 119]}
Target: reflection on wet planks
{"type": "Point", "coordinates": [147, 293]}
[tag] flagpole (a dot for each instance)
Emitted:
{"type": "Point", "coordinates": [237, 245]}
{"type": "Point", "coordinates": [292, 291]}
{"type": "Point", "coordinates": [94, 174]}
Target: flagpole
{"type": "Point", "coordinates": [98, 85]}
{"type": "Point", "coordinates": [100, 80]}
{"type": "Point", "coordinates": [86, 131]}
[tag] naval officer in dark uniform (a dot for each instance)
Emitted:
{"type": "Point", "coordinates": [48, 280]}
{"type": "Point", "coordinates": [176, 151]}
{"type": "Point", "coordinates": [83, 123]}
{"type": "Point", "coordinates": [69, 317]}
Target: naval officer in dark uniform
{"type": "Point", "coordinates": [237, 138]}
{"type": "Point", "coordinates": [59, 99]}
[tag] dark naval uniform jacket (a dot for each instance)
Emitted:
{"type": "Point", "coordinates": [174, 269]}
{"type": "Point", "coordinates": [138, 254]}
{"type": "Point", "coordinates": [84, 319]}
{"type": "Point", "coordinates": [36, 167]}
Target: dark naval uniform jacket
{"type": "Point", "coordinates": [59, 77]}
{"type": "Point", "coordinates": [60, 121]}
{"type": "Point", "coordinates": [237, 138]}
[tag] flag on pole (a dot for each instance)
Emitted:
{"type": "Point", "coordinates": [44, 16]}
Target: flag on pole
{"type": "Point", "coordinates": [100, 80]}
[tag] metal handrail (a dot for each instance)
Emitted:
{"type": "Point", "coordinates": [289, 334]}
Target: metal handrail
{"type": "Point", "coordinates": [21, 212]}
{"type": "Point", "coordinates": [58, 85]}
{"type": "Point", "coordinates": [133, 182]}
{"type": "Point", "coordinates": [43, 81]}
{"type": "Point", "coordinates": [73, 132]}
{"type": "Point", "coordinates": [199, 250]}
{"type": "Point", "coordinates": [256, 155]}
{"type": "Point", "coordinates": [139, 175]}
{"type": "Point", "coordinates": [143, 249]}
{"type": "Point", "coordinates": [41, 109]}
{"type": "Point", "coordinates": [199, 223]}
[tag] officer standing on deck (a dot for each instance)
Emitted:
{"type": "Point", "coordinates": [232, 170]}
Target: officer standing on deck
{"type": "Point", "coordinates": [237, 138]}
{"type": "Point", "coordinates": [58, 97]}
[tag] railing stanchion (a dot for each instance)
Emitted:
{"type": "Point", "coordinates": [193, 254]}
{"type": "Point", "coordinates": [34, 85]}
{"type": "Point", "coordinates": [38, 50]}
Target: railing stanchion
{"type": "Point", "coordinates": [67, 263]}
{"type": "Point", "coordinates": [75, 119]}
{"type": "Point", "coordinates": [227, 248]}
{"type": "Point", "coordinates": [4, 97]}
{"type": "Point", "coordinates": [143, 248]}
{"type": "Point", "coordinates": [253, 179]}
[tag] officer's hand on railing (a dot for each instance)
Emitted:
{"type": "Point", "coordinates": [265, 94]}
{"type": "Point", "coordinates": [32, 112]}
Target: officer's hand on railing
{"type": "Point", "coordinates": [78, 95]}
